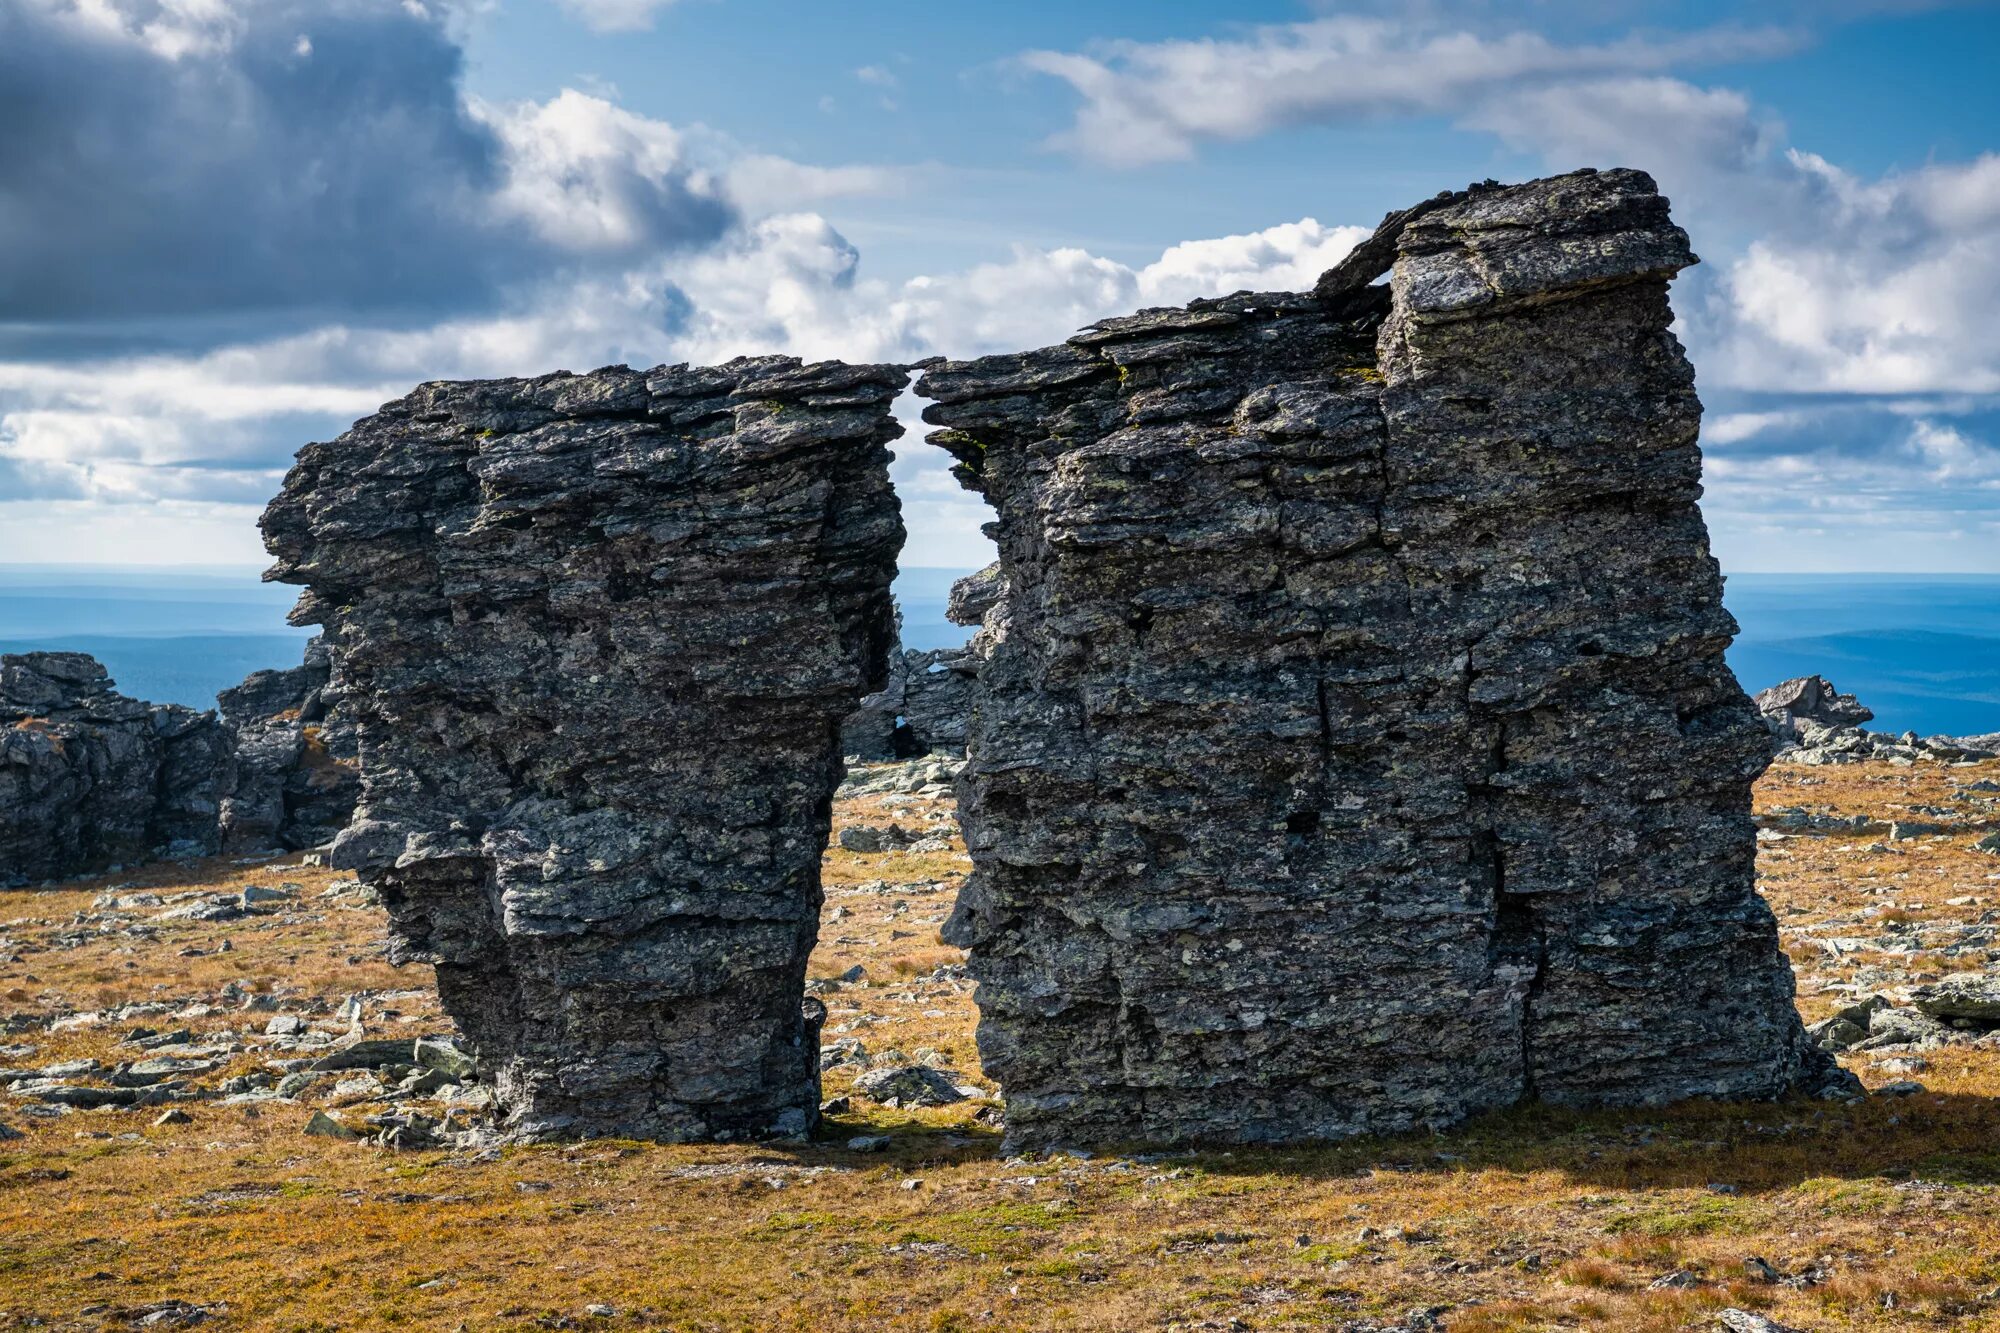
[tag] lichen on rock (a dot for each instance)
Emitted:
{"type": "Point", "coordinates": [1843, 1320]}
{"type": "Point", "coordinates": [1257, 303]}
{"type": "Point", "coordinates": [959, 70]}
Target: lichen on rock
{"type": "Point", "coordinates": [596, 634]}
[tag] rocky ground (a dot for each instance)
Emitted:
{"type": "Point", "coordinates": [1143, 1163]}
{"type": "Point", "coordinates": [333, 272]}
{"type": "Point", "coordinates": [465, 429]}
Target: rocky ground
{"type": "Point", "coordinates": [223, 1108]}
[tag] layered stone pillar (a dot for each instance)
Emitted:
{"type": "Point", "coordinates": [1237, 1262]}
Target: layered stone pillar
{"type": "Point", "coordinates": [1355, 750]}
{"type": "Point", "coordinates": [596, 634]}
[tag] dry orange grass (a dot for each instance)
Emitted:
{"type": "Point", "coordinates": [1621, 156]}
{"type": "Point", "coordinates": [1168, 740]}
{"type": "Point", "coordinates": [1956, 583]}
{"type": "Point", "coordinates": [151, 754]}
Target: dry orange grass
{"type": "Point", "coordinates": [1534, 1220]}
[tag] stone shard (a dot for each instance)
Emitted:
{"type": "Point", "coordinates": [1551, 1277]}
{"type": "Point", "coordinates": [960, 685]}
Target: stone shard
{"type": "Point", "coordinates": [297, 771]}
{"type": "Point", "coordinates": [1355, 750]}
{"type": "Point", "coordinates": [596, 634]}
{"type": "Point", "coordinates": [90, 779]}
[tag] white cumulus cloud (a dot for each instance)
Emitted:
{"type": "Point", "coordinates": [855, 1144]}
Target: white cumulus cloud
{"type": "Point", "coordinates": [1148, 102]}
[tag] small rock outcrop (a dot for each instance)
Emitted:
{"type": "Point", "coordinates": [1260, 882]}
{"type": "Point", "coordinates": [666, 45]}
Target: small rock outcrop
{"type": "Point", "coordinates": [1355, 751]}
{"type": "Point", "coordinates": [90, 779]}
{"type": "Point", "coordinates": [1812, 722]}
{"type": "Point", "coordinates": [927, 704]}
{"type": "Point", "coordinates": [1808, 700]}
{"type": "Point", "coordinates": [297, 772]}
{"type": "Point", "coordinates": [596, 634]}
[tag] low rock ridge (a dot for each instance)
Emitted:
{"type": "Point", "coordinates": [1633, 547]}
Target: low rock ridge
{"type": "Point", "coordinates": [927, 703]}
{"type": "Point", "coordinates": [596, 634]}
{"type": "Point", "coordinates": [1812, 722]}
{"type": "Point", "coordinates": [297, 766]}
{"type": "Point", "coordinates": [91, 780]}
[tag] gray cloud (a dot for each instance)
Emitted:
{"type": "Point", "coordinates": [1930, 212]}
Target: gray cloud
{"type": "Point", "coordinates": [282, 161]}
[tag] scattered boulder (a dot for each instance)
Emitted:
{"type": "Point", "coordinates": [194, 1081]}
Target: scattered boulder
{"type": "Point", "coordinates": [1746, 1321]}
{"type": "Point", "coordinates": [324, 1125]}
{"type": "Point", "coordinates": [1969, 998]}
{"type": "Point", "coordinates": [871, 838]}
{"type": "Point", "coordinates": [444, 1057]}
{"type": "Point", "coordinates": [910, 1085]}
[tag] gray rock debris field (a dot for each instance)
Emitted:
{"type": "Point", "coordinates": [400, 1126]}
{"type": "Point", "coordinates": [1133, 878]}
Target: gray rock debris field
{"type": "Point", "coordinates": [90, 779]}
{"type": "Point", "coordinates": [597, 633]}
{"type": "Point", "coordinates": [1356, 751]}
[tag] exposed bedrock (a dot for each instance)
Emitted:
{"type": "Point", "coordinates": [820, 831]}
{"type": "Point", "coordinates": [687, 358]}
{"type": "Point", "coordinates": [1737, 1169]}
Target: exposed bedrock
{"type": "Point", "coordinates": [90, 779]}
{"type": "Point", "coordinates": [1355, 751]}
{"type": "Point", "coordinates": [297, 773]}
{"type": "Point", "coordinates": [596, 634]}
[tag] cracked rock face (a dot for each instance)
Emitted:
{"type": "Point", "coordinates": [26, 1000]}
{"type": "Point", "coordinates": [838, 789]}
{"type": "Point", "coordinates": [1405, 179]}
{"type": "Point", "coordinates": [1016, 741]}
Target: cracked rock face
{"type": "Point", "coordinates": [1355, 751]}
{"type": "Point", "coordinates": [90, 779]}
{"type": "Point", "coordinates": [297, 772]}
{"type": "Point", "coordinates": [596, 634]}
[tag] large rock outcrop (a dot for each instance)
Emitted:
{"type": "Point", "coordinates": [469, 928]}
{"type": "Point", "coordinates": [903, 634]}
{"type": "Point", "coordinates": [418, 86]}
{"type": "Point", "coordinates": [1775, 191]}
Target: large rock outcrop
{"type": "Point", "coordinates": [596, 634]}
{"type": "Point", "coordinates": [297, 772]}
{"type": "Point", "coordinates": [90, 779]}
{"type": "Point", "coordinates": [1356, 751]}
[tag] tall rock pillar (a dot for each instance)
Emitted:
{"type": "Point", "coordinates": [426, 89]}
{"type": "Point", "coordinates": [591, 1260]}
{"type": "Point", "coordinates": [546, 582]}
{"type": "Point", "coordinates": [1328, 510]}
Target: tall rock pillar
{"type": "Point", "coordinates": [1355, 751]}
{"type": "Point", "coordinates": [596, 634]}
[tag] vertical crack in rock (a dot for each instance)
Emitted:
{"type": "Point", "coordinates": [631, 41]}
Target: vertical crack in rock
{"type": "Point", "coordinates": [1357, 712]}
{"type": "Point", "coordinates": [596, 634]}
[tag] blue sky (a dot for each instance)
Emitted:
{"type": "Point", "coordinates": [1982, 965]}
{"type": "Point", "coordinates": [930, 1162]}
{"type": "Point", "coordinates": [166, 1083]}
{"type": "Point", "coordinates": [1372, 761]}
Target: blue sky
{"type": "Point", "coordinates": [230, 226]}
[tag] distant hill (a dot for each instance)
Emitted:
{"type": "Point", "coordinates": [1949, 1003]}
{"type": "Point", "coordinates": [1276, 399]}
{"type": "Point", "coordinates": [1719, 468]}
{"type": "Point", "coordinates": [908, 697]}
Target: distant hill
{"type": "Point", "coordinates": [923, 593]}
{"type": "Point", "coordinates": [1922, 651]}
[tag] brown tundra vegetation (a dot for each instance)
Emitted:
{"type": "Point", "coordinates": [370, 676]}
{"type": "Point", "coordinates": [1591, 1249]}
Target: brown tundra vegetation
{"type": "Point", "coordinates": [204, 1207]}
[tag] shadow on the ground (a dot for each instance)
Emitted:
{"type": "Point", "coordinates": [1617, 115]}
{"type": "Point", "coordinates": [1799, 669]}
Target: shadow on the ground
{"type": "Point", "coordinates": [1734, 1148]}
{"type": "Point", "coordinates": [1947, 1139]}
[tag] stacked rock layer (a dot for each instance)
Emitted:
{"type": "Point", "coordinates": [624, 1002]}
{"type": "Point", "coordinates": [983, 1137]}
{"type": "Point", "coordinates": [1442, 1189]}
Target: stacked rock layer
{"type": "Point", "coordinates": [1355, 751]}
{"type": "Point", "coordinates": [296, 771]}
{"type": "Point", "coordinates": [596, 634]}
{"type": "Point", "coordinates": [90, 779]}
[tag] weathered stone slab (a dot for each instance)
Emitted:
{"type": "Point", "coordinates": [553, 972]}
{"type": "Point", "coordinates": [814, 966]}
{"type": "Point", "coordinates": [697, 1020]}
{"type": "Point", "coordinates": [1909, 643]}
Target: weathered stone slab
{"type": "Point", "coordinates": [596, 634]}
{"type": "Point", "coordinates": [1355, 750]}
